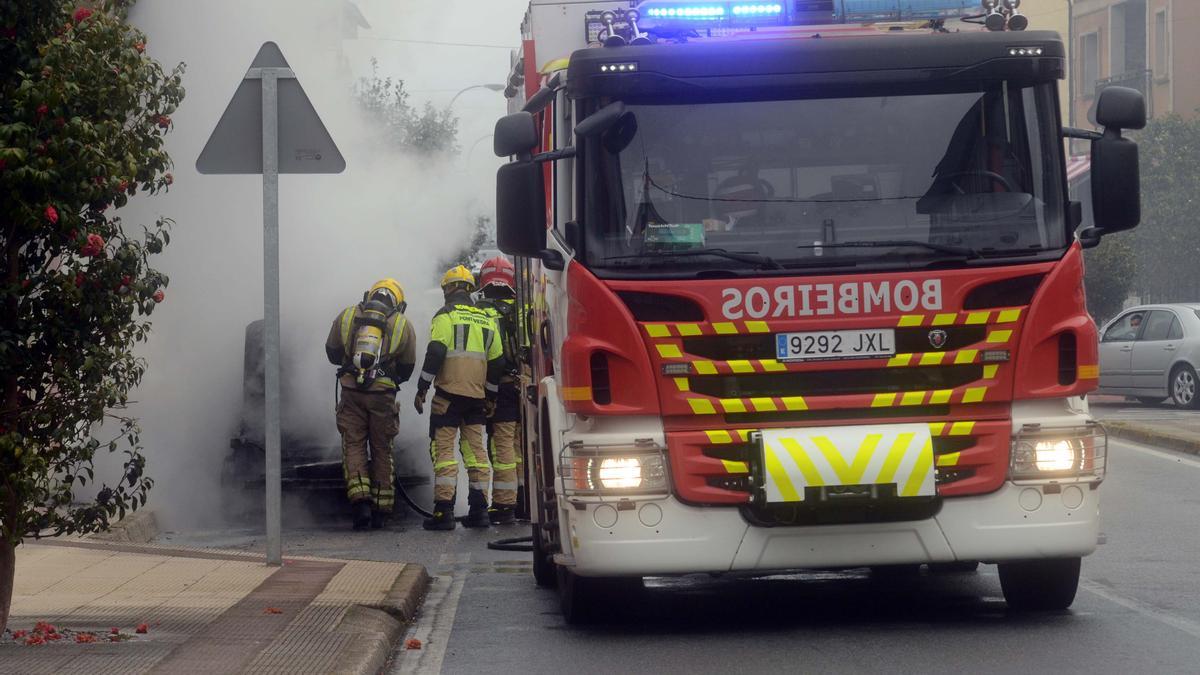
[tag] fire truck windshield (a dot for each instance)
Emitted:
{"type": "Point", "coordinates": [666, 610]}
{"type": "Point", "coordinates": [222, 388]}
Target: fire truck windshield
{"type": "Point", "coordinates": [884, 181]}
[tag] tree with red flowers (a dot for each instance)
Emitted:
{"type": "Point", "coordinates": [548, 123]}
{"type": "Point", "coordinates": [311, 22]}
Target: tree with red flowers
{"type": "Point", "coordinates": [81, 132]}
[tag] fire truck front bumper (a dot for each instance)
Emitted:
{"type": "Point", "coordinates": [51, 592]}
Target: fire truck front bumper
{"type": "Point", "coordinates": [664, 536]}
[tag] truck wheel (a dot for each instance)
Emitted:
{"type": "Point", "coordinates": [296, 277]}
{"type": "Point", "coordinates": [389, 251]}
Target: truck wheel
{"type": "Point", "coordinates": [1040, 585]}
{"type": "Point", "coordinates": [956, 567]}
{"type": "Point", "coordinates": [544, 573]}
{"type": "Point", "coordinates": [586, 599]}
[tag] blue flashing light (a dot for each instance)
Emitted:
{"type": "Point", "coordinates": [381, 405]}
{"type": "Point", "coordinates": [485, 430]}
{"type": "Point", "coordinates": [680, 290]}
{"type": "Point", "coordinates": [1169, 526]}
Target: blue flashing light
{"type": "Point", "coordinates": [757, 10]}
{"type": "Point", "coordinates": [687, 12]}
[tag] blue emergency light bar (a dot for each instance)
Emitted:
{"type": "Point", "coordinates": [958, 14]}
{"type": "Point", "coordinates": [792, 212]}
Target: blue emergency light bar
{"type": "Point", "coordinates": [806, 12]}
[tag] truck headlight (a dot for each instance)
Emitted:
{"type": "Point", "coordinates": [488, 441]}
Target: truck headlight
{"type": "Point", "coordinates": [1073, 455]}
{"type": "Point", "coordinates": [608, 470]}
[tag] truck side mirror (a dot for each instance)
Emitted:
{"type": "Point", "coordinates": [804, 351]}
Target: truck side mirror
{"type": "Point", "coordinates": [515, 134]}
{"type": "Point", "coordinates": [1116, 176]}
{"type": "Point", "coordinates": [521, 208]}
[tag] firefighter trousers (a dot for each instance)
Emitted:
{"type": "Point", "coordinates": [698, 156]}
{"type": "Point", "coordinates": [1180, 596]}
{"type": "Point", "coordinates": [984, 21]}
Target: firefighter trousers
{"type": "Point", "coordinates": [369, 418]}
{"type": "Point", "coordinates": [502, 444]}
{"type": "Point", "coordinates": [452, 415]}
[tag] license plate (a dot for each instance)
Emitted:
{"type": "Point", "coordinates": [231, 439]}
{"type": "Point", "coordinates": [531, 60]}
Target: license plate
{"type": "Point", "coordinates": [835, 344]}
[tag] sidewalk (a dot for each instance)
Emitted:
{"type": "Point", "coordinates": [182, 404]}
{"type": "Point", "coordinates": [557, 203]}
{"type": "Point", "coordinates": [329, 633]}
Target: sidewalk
{"type": "Point", "coordinates": [1160, 426]}
{"type": "Point", "coordinates": [205, 611]}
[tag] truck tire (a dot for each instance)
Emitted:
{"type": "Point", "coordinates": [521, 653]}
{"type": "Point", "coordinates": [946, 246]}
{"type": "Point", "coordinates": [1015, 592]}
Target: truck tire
{"type": "Point", "coordinates": [1040, 585]}
{"type": "Point", "coordinates": [585, 600]}
{"type": "Point", "coordinates": [544, 573]}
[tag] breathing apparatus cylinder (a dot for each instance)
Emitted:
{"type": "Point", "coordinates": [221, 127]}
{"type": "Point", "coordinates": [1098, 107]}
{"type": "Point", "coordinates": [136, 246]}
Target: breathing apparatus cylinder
{"type": "Point", "coordinates": [368, 338]}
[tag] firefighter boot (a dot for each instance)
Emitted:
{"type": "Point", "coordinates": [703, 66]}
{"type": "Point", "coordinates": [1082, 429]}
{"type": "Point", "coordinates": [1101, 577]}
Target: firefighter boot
{"type": "Point", "coordinates": [361, 514]}
{"type": "Point", "coordinates": [478, 515]}
{"type": "Point", "coordinates": [502, 515]}
{"type": "Point", "coordinates": [379, 520]}
{"type": "Point", "coordinates": [443, 517]}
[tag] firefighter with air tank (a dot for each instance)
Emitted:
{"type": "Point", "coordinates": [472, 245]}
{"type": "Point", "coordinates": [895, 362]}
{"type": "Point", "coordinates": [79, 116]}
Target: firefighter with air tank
{"type": "Point", "coordinates": [497, 282]}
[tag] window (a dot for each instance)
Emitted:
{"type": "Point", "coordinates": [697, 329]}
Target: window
{"type": "Point", "coordinates": [1126, 328]}
{"type": "Point", "coordinates": [1176, 330]}
{"type": "Point", "coordinates": [1089, 52]}
{"type": "Point", "coordinates": [1162, 46]}
{"type": "Point", "coordinates": [1158, 326]}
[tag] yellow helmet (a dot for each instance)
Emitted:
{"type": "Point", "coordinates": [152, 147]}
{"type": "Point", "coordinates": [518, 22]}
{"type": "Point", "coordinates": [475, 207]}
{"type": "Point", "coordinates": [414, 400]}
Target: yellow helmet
{"type": "Point", "coordinates": [391, 286]}
{"type": "Point", "coordinates": [458, 274]}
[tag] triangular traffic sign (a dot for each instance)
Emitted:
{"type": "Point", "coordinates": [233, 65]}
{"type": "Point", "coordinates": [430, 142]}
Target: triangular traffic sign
{"type": "Point", "coordinates": [235, 145]}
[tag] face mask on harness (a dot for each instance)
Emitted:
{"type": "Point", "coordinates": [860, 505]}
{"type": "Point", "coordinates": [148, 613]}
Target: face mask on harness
{"type": "Point", "coordinates": [368, 336]}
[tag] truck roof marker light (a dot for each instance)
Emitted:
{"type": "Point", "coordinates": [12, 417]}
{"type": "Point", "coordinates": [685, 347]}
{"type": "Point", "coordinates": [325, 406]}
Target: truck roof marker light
{"type": "Point", "coordinates": [618, 67]}
{"type": "Point", "coordinates": [1025, 51]}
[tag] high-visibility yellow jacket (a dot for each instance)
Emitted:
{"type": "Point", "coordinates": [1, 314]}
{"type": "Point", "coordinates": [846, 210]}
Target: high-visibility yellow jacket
{"type": "Point", "coordinates": [465, 355]}
{"type": "Point", "coordinates": [396, 363]}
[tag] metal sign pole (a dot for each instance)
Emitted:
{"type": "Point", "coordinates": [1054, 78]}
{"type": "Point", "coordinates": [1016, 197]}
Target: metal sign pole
{"type": "Point", "coordinates": [270, 173]}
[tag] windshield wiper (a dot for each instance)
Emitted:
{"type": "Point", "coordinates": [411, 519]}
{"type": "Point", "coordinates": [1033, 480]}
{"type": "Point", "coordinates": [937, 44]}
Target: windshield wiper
{"type": "Point", "coordinates": [760, 261]}
{"type": "Point", "coordinates": [968, 253]}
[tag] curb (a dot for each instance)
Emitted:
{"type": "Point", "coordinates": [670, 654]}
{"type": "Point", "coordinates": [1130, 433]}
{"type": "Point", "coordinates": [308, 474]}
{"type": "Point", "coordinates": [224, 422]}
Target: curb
{"type": "Point", "coordinates": [138, 527]}
{"type": "Point", "coordinates": [1136, 432]}
{"type": "Point", "coordinates": [377, 630]}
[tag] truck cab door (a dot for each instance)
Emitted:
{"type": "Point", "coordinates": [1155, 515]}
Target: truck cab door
{"type": "Point", "coordinates": [1116, 350]}
{"type": "Point", "coordinates": [1154, 352]}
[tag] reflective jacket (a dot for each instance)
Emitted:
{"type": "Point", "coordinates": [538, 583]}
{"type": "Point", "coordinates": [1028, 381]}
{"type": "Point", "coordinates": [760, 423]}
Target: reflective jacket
{"type": "Point", "coordinates": [465, 355]}
{"type": "Point", "coordinates": [396, 363]}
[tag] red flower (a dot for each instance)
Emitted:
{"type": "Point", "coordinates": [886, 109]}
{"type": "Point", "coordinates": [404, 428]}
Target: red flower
{"type": "Point", "coordinates": [114, 631]}
{"type": "Point", "coordinates": [79, 279]}
{"type": "Point", "coordinates": [157, 297]}
{"type": "Point", "coordinates": [99, 180]}
{"type": "Point", "coordinates": [164, 121]}
{"type": "Point", "coordinates": [168, 178]}
{"type": "Point", "coordinates": [93, 247]}
{"type": "Point", "coordinates": [85, 638]}
{"type": "Point", "coordinates": [52, 215]}
{"type": "Point", "coordinates": [139, 46]}
{"type": "Point", "coordinates": [24, 283]}
{"type": "Point", "coordinates": [42, 110]}
{"type": "Point", "coordinates": [142, 628]}
{"type": "Point", "coordinates": [18, 634]}
{"type": "Point", "coordinates": [124, 186]}
{"type": "Point", "coordinates": [125, 281]}
{"type": "Point", "coordinates": [34, 640]}
{"type": "Point", "coordinates": [81, 14]}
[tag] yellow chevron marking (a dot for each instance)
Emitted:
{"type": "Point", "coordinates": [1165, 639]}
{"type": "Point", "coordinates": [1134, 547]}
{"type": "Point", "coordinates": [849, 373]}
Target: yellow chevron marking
{"type": "Point", "coordinates": [735, 467]}
{"type": "Point", "coordinates": [851, 474]}
{"type": "Point", "coordinates": [757, 327]}
{"type": "Point", "coordinates": [962, 428]}
{"type": "Point", "coordinates": [948, 459]}
{"type": "Point", "coordinates": [741, 366]}
{"type": "Point", "coordinates": [900, 360]}
{"type": "Point", "coordinates": [940, 396]}
{"type": "Point", "coordinates": [669, 351]}
{"type": "Point", "coordinates": [683, 384]}
{"type": "Point", "coordinates": [883, 400]}
{"type": "Point", "coordinates": [974, 394]}
{"type": "Point", "coordinates": [702, 406]}
{"type": "Point", "coordinates": [802, 460]}
{"type": "Point", "coordinates": [657, 330]}
{"type": "Point", "coordinates": [944, 319]}
{"type": "Point", "coordinates": [887, 473]}
{"type": "Point", "coordinates": [705, 367]}
{"type": "Point", "coordinates": [999, 336]}
{"type": "Point", "coordinates": [719, 437]}
{"type": "Point", "coordinates": [772, 366]}
{"type": "Point", "coordinates": [1009, 316]}
{"type": "Point", "coordinates": [966, 356]}
{"type": "Point", "coordinates": [733, 405]}
{"type": "Point", "coordinates": [779, 474]}
{"type": "Point", "coordinates": [975, 318]}
{"type": "Point", "coordinates": [1088, 372]}
{"type": "Point", "coordinates": [794, 403]}
{"type": "Point", "coordinates": [912, 398]}
{"type": "Point", "coordinates": [989, 372]}
{"type": "Point", "coordinates": [911, 320]}
{"type": "Point", "coordinates": [763, 405]}
{"type": "Point", "coordinates": [743, 435]}
{"type": "Point", "coordinates": [936, 428]}
{"type": "Point", "coordinates": [688, 329]}
{"type": "Point", "coordinates": [932, 358]}
{"type": "Point", "coordinates": [924, 463]}
{"type": "Point", "coordinates": [725, 328]}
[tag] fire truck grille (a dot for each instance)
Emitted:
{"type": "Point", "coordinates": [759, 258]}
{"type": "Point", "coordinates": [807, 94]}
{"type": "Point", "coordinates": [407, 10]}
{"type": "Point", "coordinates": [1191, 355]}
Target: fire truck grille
{"type": "Point", "coordinates": [837, 382]}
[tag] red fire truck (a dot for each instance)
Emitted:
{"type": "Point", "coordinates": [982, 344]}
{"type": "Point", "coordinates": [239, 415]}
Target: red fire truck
{"type": "Point", "coordinates": [804, 296]}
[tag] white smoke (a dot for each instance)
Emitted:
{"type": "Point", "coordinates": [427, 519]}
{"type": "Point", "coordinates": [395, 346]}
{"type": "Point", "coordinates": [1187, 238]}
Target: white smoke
{"type": "Point", "coordinates": [386, 215]}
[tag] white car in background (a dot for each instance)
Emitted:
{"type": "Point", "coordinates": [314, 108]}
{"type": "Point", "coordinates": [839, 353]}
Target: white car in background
{"type": "Point", "coordinates": [1152, 353]}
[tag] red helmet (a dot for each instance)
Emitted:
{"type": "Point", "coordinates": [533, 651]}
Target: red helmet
{"type": "Point", "coordinates": [497, 271]}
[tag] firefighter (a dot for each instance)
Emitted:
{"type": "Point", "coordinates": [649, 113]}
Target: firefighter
{"type": "Point", "coordinates": [463, 363]}
{"type": "Point", "coordinates": [497, 280]}
{"type": "Point", "coordinates": [374, 346]}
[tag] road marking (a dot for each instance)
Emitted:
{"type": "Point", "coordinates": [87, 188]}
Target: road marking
{"type": "Point", "coordinates": [1186, 625]}
{"type": "Point", "coordinates": [436, 621]}
{"type": "Point", "coordinates": [1168, 456]}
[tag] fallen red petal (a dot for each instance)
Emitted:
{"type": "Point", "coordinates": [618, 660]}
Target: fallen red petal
{"type": "Point", "coordinates": [142, 629]}
{"type": "Point", "coordinates": [273, 610]}
{"type": "Point", "coordinates": [412, 643]}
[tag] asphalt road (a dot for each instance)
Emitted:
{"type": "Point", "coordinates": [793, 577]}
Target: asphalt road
{"type": "Point", "coordinates": [1138, 607]}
